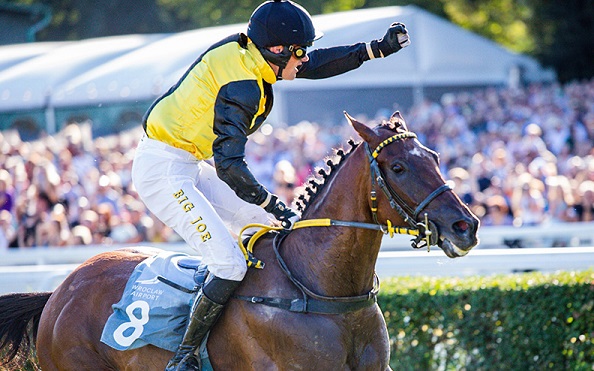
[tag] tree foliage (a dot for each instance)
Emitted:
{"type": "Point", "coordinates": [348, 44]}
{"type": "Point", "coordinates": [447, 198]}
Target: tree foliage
{"type": "Point", "coordinates": [531, 321]}
{"type": "Point", "coordinates": [504, 21]}
{"type": "Point", "coordinates": [564, 35]}
{"type": "Point", "coordinates": [559, 34]}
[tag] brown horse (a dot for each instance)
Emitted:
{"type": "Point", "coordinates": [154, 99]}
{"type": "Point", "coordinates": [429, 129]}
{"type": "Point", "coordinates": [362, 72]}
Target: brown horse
{"type": "Point", "coordinates": [312, 307]}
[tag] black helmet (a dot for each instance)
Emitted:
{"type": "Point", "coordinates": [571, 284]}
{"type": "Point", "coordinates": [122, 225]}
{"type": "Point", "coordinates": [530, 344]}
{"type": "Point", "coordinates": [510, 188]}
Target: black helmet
{"type": "Point", "coordinates": [281, 22]}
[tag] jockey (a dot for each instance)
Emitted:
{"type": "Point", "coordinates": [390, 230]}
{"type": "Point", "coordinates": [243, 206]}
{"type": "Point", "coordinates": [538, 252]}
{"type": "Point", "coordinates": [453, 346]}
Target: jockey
{"type": "Point", "coordinates": [223, 97]}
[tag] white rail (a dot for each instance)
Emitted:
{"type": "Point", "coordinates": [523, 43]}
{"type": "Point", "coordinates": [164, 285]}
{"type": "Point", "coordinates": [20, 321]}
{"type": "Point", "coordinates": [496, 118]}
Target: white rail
{"type": "Point", "coordinates": [42, 269]}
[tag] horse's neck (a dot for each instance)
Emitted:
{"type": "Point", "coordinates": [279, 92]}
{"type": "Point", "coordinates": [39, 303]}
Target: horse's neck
{"type": "Point", "coordinates": [339, 261]}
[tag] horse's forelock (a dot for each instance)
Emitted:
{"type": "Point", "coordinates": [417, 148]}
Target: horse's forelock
{"type": "Point", "coordinates": [393, 127]}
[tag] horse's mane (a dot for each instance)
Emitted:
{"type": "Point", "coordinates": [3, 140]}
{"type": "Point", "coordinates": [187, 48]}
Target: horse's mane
{"type": "Point", "coordinates": [318, 180]}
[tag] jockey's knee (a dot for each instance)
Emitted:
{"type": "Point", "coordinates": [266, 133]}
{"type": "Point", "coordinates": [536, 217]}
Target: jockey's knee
{"type": "Point", "coordinates": [232, 271]}
{"type": "Point", "coordinates": [249, 214]}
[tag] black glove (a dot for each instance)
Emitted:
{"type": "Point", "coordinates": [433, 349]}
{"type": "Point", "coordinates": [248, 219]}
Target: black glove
{"type": "Point", "coordinates": [395, 39]}
{"type": "Point", "coordinates": [281, 212]}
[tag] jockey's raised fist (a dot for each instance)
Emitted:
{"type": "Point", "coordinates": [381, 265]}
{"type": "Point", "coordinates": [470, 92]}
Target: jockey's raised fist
{"type": "Point", "coordinates": [395, 39]}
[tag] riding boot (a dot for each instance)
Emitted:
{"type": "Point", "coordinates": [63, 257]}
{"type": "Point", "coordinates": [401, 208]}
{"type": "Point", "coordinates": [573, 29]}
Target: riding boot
{"type": "Point", "coordinates": [203, 316]}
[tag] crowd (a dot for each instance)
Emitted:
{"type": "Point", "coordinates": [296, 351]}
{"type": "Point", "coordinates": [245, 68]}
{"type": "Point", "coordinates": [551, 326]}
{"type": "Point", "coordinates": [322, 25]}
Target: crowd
{"type": "Point", "coordinates": [515, 156]}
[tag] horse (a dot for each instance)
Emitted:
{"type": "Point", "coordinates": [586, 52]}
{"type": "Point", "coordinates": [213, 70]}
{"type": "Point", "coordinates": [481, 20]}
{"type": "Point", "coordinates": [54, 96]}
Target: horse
{"type": "Point", "coordinates": [314, 304]}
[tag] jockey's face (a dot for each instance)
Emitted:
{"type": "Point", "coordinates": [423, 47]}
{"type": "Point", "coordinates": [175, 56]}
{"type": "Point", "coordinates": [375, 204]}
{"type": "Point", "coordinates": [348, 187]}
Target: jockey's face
{"type": "Point", "coordinates": [290, 71]}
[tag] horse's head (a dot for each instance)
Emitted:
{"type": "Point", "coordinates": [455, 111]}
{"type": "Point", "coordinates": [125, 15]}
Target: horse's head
{"type": "Point", "coordinates": [411, 191]}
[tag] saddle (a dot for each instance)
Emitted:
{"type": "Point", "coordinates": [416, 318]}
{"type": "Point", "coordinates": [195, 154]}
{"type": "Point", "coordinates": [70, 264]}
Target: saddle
{"type": "Point", "coordinates": [194, 264]}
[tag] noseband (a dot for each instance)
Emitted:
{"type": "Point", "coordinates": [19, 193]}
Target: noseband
{"type": "Point", "coordinates": [428, 233]}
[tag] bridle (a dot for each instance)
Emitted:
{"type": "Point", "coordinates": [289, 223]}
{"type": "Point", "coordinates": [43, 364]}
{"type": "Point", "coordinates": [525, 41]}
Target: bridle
{"type": "Point", "coordinates": [425, 231]}
{"type": "Point", "coordinates": [428, 233]}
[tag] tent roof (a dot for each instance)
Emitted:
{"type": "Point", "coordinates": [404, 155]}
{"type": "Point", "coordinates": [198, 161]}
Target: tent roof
{"type": "Point", "coordinates": [141, 74]}
{"type": "Point", "coordinates": [31, 83]}
{"type": "Point", "coordinates": [141, 67]}
{"type": "Point", "coordinates": [18, 53]}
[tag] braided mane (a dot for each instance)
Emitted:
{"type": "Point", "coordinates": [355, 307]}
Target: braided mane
{"type": "Point", "coordinates": [318, 180]}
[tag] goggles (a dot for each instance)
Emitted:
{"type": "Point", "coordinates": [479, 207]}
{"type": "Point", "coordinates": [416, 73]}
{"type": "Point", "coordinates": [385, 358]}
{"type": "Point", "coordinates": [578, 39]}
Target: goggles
{"type": "Point", "coordinates": [298, 51]}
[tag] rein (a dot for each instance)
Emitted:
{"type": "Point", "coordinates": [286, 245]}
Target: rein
{"type": "Point", "coordinates": [425, 231]}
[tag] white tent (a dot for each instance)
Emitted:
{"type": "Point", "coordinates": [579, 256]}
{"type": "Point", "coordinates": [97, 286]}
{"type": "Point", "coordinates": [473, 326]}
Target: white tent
{"type": "Point", "coordinates": [137, 68]}
{"type": "Point", "coordinates": [141, 74]}
{"type": "Point", "coordinates": [18, 53]}
{"type": "Point", "coordinates": [31, 83]}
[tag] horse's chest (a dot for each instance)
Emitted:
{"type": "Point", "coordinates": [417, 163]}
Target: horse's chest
{"type": "Point", "coordinates": [348, 342]}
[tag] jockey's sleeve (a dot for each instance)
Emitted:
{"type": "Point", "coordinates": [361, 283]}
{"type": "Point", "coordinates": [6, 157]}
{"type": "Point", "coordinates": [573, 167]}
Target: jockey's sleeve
{"type": "Point", "coordinates": [235, 108]}
{"type": "Point", "coordinates": [327, 62]}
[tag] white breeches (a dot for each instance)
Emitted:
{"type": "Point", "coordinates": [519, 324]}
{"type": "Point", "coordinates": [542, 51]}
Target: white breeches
{"type": "Point", "coordinates": [187, 195]}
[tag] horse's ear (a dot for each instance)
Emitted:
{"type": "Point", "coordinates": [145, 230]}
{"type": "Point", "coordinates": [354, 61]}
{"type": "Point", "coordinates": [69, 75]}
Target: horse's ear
{"type": "Point", "coordinates": [363, 130]}
{"type": "Point", "coordinates": [398, 120]}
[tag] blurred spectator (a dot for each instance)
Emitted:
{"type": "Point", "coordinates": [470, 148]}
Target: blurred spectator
{"type": "Point", "coordinates": [104, 213]}
{"type": "Point", "coordinates": [122, 231]}
{"type": "Point", "coordinates": [159, 232]}
{"type": "Point", "coordinates": [560, 200]}
{"type": "Point", "coordinates": [7, 230]}
{"type": "Point", "coordinates": [90, 219]}
{"type": "Point", "coordinates": [462, 184]}
{"type": "Point", "coordinates": [132, 224]}
{"type": "Point", "coordinates": [284, 181]}
{"type": "Point", "coordinates": [6, 195]}
{"type": "Point", "coordinates": [584, 206]}
{"type": "Point", "coordinates": [80, 236]}
{"type": "Point", "coordinates": [53, 230]}
{"type": "Point", "coordinates": [528, 203]}
{"type": "Point", "coordinates": [136, 214]}
{"type": "Point", "coordinates": [81, 159]}
{"type": "Point", "coordinates": [108, 191]}
{"type": "Point", "coordinates": [498, 213]}
{"type": "Point", "coordinates": [35, 210]}
{"type": "Point", "coordinates": [532, 145]}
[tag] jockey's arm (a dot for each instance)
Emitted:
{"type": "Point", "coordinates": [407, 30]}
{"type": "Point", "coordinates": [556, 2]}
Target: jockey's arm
{"type": "Point", "coordinates": [328, 62]}
{"type": "Point", "coordinates": [235, 108]}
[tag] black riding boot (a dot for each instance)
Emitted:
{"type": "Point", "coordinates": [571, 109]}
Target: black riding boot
{"type": "Point", "coordinates": [203, 316]}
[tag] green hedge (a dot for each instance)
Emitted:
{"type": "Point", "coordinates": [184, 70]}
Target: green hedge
{"type": "Point", "coordinates": [529, 321]}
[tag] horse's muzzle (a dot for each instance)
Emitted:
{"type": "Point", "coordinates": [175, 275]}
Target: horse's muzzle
{"type": "Point", "coordinates": [460, 238]}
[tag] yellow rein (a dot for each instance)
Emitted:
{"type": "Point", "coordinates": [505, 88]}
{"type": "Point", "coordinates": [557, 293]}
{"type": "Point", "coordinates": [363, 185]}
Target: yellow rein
{"type": "Point", "coordinates": [248, 250]}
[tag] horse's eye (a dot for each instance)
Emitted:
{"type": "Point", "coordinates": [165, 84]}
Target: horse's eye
{"type": "Point", "coordinates": [397, 168]}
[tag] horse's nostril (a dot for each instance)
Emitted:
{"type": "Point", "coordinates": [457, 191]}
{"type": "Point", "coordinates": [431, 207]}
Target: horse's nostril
{"type": "Point", "coordinates": [461, 226]}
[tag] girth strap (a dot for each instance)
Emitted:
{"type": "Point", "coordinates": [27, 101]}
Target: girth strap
{"type": "Point", "coordinates": [310, 305]}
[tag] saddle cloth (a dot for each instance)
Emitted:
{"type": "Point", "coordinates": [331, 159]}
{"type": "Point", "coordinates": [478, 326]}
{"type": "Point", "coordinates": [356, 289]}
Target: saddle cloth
{"type": "Point", "coordinates": [156, 302]}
